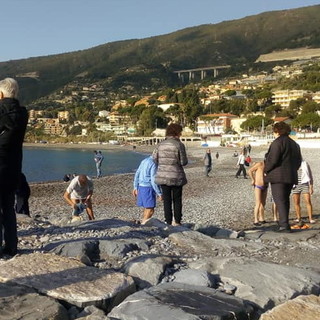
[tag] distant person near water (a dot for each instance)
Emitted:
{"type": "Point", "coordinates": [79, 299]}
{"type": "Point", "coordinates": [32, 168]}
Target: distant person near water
{"type": "Point", "coordinates": [98, 158]}
{"type": "Point", "coordinates": [78, 195]}
{"type": "Point", "coordinates": [13, 124]}
{"type": "Point", "coordinates": [22, 196]}
{"type": "Point", "coordinates": [170, 156]}
{"type": "Point", "coordinates": [256, 173]}
{"type": "Point", "coordinates": [145, 189]}
{"type": "Point", "coordinates": [207, 160]}
{"type": "Point", "coordinates": [283, 160]}
{"type": "Point", "coordinates": [305, 188]}
{"type": "Point", "coordinates": [240, 164]}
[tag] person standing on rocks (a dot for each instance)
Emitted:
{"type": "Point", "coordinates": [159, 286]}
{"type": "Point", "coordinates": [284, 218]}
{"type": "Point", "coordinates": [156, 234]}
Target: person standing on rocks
{"type": "Point", "coordinates": [13, 123]}
{"type": "Point", "coordinates": [240, 164]}
{"type": "Point", "coordinates": [78, 195]}
{"type": "Point", "coordinates": [145, 189]}
{"type": "Point", "coordinates": [170, 156]}
{"type": "Point", "coordinates": [260, 191]}
{"type": "Point", "coordinates": [207, 159]}
{"type": "Point", "coordinates": [283, 160]}
{"type": "Point", "coordinates": [98, 158]}
{"type": "Point", "coordinates": [305, 188]}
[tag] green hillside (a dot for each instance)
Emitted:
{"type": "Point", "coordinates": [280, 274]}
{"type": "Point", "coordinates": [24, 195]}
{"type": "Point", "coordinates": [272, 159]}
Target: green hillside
{"type": "Point", "coordinates": [150, 62]}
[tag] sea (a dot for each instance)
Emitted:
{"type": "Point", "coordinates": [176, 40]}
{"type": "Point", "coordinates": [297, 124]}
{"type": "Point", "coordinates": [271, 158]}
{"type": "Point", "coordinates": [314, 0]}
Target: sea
{"type": "Point", "coordinates": [51, 164]}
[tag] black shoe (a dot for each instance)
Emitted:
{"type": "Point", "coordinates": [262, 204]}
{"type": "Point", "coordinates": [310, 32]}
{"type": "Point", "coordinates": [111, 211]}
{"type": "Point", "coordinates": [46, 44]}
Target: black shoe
{"type": "Point", "coordinates": [9, 251]}
{"type": "Point", "coordinates": [245, 178]}
{"type": "Point", "coordinates": [257, 224]}
{"type": "Point", "coordinates": [284, 230]}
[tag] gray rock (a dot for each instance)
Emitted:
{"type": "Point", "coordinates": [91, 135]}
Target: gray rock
{"type": "Point", "coordinates": [68, 280]}
{"type": "Point", "coordinates": [181, 301]}
{"type": "Point", "coordinates": [155, 223]}
{"type": "Point", "coordinates": [195, 278]}
{"type": "Point", "coordinates": [120, 248]}
{"type": "Point", "coordinates": [19, 302]}
{"type": "Point", "coordinates": [75, 248]}
{"type": "Point", "coordinates": [266, 284]}
{"type": "Point", "coordinates": [302, 307]}
{"type": "Point", "coordinates": [226, 233]}
{"type": "Point", "coordinates": [147, 270]}
{"type": "Point", "coordinates": [209, 230]}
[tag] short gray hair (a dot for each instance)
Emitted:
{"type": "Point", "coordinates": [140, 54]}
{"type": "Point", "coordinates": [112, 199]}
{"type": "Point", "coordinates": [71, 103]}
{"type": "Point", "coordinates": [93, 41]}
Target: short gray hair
{"type": "Point", "coordinates": [9, 87]}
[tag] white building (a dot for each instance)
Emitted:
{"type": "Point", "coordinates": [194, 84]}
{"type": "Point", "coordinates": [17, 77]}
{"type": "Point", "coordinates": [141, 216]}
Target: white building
{"type": "Point", "coordinates": [283, 97]}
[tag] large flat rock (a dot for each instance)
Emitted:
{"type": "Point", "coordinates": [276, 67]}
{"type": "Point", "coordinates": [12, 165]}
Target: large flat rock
{"type": "Point", "coordinates": [67, 279]}
{"type": "Point", "coordinates": [182, 302]}
{"type": "Point", "coordinates": [266, 284]}
{"type": "Point", "coordinates": [19, 302]}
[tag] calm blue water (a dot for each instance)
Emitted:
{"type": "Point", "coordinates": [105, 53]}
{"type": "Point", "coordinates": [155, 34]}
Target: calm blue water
{"type": "Point", "coordinates": [50, 164]}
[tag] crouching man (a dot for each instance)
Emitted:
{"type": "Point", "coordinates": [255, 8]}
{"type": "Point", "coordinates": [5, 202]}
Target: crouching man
{"type": "Point", "coordinates": [78, 195]}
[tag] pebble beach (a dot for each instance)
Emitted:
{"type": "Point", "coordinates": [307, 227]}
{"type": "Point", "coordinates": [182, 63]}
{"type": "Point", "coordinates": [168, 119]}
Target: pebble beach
{"type": "Point", "coordinates": [220, 199]}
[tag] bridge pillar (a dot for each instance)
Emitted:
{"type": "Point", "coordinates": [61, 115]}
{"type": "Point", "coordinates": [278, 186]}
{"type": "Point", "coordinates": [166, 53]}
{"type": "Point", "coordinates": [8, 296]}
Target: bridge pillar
{"type": "Point", "coordinates": [215, 73]}
{"type": "Point", "coordinates": [203, 74]}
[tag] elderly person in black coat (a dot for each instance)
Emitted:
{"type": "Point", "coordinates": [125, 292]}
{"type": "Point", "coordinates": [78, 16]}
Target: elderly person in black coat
{"type": "Point", "coordinates": [283, 160]}
{"type": "Point", "coordinates": [170, 156]}
{"type": "Point", "coordinates": [13, 123]}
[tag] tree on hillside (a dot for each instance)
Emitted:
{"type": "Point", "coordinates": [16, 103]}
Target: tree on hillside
{"type": "Point", "coordinates": [255, 123]}
{"type": "Point", "coordinates": [310, 107]}
{"type": "Point", "coordinates": [273, 110]}
{"type": "Point", "coordinates": [310, 121]}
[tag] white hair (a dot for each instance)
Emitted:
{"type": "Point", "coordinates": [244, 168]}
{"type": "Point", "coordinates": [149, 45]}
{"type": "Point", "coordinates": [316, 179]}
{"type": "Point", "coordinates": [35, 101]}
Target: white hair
{"type": "Point", "coordinates": [9, 87]}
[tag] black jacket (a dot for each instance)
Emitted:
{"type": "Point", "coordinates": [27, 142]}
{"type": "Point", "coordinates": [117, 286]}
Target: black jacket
{"type": "Point", "coordinates": [283, 161]}
{"type": "Point", "coordinates": [13, 123]}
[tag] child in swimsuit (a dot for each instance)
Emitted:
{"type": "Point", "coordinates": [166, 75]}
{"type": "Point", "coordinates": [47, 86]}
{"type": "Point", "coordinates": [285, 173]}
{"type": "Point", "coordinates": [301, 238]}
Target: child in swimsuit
{"type": "Point", "coordinates": [260, 191]}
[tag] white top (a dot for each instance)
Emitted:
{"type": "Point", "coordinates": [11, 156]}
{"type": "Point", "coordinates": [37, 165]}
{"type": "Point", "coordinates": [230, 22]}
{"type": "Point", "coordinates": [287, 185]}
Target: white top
{"type": "Point", "coordinates": [77, 191]}
{"type": "Point", "coordinates": [241, 159]}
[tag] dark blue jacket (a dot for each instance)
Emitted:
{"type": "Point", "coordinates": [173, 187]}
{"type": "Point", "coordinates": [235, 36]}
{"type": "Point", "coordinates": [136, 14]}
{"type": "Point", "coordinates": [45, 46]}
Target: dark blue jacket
{"type": "Point", "coordinates": [283, 160]}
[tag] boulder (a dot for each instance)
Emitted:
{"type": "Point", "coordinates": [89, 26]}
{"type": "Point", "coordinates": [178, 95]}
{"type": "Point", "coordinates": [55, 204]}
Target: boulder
{"type": "Point", "coordinates": [75, 248]}
{"type": "Point", "coordinates": [182, 302]}
{"type": "Point", "coordinates": [20, 302]}
{"type": "Point", "coordinates": [302, 307]}
{"type": "Point", "coordinates": [196, 278]}
{"type": "Point", "coordinates": [147, 270]}
{"type": "Point", "coordinates": [120, 248]}
{"type": "Point", "coordinates": [68, 280]}
{"type": "Point", "coordinates": [266, 284]}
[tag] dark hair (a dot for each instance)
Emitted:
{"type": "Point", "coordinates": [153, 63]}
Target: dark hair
{"type": "Point", "coordinates": [282, 128]}
{"type": "Point", "coordinates": [173, 129]}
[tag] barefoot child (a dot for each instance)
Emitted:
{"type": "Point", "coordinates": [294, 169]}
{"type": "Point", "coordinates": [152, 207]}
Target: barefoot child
{"type": "Point", "coordinates": [260, 191]}
{"type": "Point", "coordinates": [145, 189]}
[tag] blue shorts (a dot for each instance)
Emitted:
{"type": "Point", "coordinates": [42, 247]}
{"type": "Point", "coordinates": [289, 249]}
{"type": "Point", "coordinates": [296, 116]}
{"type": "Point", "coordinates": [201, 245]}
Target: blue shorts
{"type": "Point", "coordinates": [146, 197]}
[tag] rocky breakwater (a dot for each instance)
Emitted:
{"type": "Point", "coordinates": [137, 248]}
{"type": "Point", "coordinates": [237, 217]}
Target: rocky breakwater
{"type": "Point", "coordinates": [115, 269]}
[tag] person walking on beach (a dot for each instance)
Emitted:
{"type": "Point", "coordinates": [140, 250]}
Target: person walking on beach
{"type": "Point", "coordinates": [98, 158]}
{"type": "Point", "coordinates": [283, 160]}
{"type": "Point", "coordinates": [78, 194]}
{"type": "Point", "coordinates": [13, 123]}
{"type": "Point", "coordinates": [170, 156]}
{"type": "Point", "coordinates": [145, 189]}
{"type": "Point", "coordinates": [240, 164]}
{"type": "Point", "coordinates": [256, 173]}
{"type": "Point", "coordinates": [217, 155]}
{"type": "Point", "coordinates": [207, 159]}
{"type": "Point", "coordinates": [305, 188]}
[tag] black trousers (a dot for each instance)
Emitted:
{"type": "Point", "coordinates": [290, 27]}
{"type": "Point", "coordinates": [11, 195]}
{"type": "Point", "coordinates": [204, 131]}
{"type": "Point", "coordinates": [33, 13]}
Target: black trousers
{"type": "Point", "coordinates": [243, 169]}
{"type": "Point", "coordinates": [281, 197]}
{"type": "Point", "coordinates": [8, 221]}
{"type": "Point", "coordinates": [172, 195]}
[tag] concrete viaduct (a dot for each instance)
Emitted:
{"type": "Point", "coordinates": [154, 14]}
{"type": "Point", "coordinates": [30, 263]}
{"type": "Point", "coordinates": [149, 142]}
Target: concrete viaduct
{"type": "Point", "coordinates": [203, 72]}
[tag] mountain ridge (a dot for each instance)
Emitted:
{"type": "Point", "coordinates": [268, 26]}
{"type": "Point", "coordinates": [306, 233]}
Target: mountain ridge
{"type": "Point", "coordinates": [235, 42]}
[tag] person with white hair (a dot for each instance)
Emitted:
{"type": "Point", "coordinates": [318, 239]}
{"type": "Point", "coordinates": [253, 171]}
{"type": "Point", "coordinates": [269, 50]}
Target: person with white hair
{"type": "Point", "coordinates": [13, 123]}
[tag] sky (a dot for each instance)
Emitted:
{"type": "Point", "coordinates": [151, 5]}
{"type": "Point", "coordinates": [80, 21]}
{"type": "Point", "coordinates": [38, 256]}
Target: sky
{"type": "Point", "coordinates": [31, 28]}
